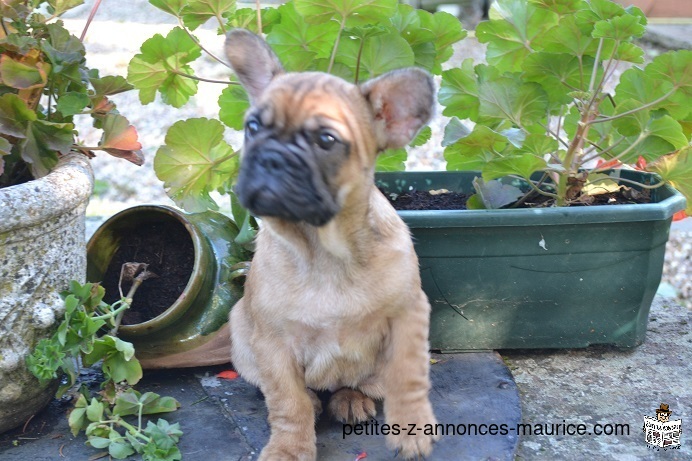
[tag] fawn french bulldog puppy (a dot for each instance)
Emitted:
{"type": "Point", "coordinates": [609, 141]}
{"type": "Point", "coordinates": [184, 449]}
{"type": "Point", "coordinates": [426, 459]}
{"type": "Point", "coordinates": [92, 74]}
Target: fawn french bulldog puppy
{"type": "Point", "coordinates": [333, 300]}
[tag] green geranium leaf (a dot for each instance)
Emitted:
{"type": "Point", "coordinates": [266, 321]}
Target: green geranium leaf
{"type": "Point", "coordinates": [677, 170]}
{"type": "Point", "coordinates": [22, 76]}
{"type": "Point", "coordinates": [110, 85]}
{"type": "Point", "coordinates": [14, 115]}
{"type": "Point", "coordinates": [620, 28]}
{"type": "Point", "coordinates": [352, 12]}
{"type": "Point", "coordinates": [539, 144]}
{"type": "Point", "coordinates": [197, 12]}
{"type": "Point", "coordinates": [494, 194]}
{"type": "Point", "coordinates": [120, 449]}
{"type": "Point", "coordinates": [233, 103]}
{"type": "Point", "coordinates": [454, 131]}
{"type": "Point", "coordinates": [570, 36]}
{"type": "Point", "coordinates": [43, 140]}
{"type": "Point", "coordinates": [246, 18]}
{"type": "Point", "coordinates": [63, 49]}
{"type": "Point", "coordinates": [510, 98]}
{"type": "Point", "coordinates": [77, 419]}
{"type": "Point", "coordinates": [446, 30]}
{"type": "Point", "coordinates": [159, 65]}
{"type": "Point", "coordinates": [72, 103]}
{"type": "Point", "coordinates": [459, 92]}
{"type": "Point", "coordinates": [94, 411]}
{"type": "Point", "coordinates": [5, 149]}
{"type": "Point", "coordinates": [391, 160]}
{"type": "Point", "coordinates": [296, 43]}
{"type": "Point", "coordinates": [194, 162]}
{"type": "Point", "coordinates": [58, 7]}
{"type": "Point", "coordinates": [511, 30]}
{"type": "Point", "coordinates": [674, 67]}
{"type": "Point", "coordinates": [379, 54]}
{"type": "Point", "coordinates": [522, 165]}
{"type": "Point", "coordinates": [472, 152]}
{"type": "Point", "coordinates": [422, 137]}
{"type": "Point", "coordinates": [99, 442]}
{"type": "Point", "coordinates": [561, 7]}
{"type": "Point", "coordinates": [559, 74]}
{"type": "Point", "coordinates": [169, 6]}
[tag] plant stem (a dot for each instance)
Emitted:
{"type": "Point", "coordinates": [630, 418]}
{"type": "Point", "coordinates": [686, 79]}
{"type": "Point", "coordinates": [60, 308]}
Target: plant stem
{"type": "Point", "coordinates": [360, 53]}
{"type": "Point", "coordinates": [642, 136]}
{"type": "Point", "coordinates": [535, 187]}
{"type": "Point", "coordinates": [92, 13]}
{"type": "Point", "coordinates": [636, 109]}
{"type": "Point", "coordinates": [201, 79]}
{"type": "Point", "coordinates": [594, 71]}
{"type": "Point", "coordinates": [194, 39]}
{"type": "Point", "coordinates": [336, 45]}
{"type": "Point", "coordinates": [258, 8]}
{"type": "Point", "coordinates": [629, 181]}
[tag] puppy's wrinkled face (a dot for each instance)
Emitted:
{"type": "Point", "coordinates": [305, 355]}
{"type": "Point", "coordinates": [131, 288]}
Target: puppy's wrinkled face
{"type": "Point", "coordinates": [311, 137]}
{"type": "Point", "coordinates": [298, 137]}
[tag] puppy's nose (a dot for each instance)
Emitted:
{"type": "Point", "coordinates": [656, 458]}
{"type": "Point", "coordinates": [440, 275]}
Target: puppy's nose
{"type": "Point", "coordinates": [272, 161]}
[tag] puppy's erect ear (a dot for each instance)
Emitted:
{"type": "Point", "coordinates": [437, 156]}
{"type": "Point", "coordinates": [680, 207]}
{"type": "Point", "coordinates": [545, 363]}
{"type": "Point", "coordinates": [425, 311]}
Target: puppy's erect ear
{"type": "Point", "coordinates": [252, 60]}
{"type": "Point", "coordinates": [402, 102]}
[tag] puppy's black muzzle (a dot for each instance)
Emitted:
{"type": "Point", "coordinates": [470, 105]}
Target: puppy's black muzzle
{"type": "Point", "coordinates": [285, 182]}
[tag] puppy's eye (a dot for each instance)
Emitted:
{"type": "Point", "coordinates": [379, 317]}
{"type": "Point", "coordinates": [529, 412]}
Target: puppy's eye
{"type": "Point", "coordinates": [252, 127]}
{"type": "Point", "coordinates": [325, 140]}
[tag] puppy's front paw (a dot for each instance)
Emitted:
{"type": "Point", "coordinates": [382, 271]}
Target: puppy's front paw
{"type": "Point", "coordinates": [351, 406]}
{"type": "Point", "coordinates": [288, 452]}
{"type": "Point", "coordinates": [417, 435]}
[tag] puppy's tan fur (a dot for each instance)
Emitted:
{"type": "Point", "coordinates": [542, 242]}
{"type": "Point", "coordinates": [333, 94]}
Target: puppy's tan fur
{"type": "Point", "coordinates": [340, 306]}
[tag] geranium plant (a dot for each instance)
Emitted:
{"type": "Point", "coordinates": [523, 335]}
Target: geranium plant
{"type": "Point", "coordinates": [356, 40]}
{"type": "Point", "coordinates": [44, 85]}
{"type": "Point", "coordinates": [554, 109]}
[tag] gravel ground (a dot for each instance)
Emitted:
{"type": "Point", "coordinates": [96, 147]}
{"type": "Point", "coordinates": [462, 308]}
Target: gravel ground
{"type": "Point", "coordinates": [115, 36]}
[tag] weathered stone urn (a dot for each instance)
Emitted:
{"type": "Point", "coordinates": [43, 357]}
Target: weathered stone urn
{"type": "Point", "coordinates": [42, 248]}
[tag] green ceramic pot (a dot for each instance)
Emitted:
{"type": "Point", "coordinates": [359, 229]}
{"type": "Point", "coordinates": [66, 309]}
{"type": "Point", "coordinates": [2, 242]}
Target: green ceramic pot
{"type": "Point", "coordinates": [193, 330]}
{"type": "Point", "coordinates": [537, 277]}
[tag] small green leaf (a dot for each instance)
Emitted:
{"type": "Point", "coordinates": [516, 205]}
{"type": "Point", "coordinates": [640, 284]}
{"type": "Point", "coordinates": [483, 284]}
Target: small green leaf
{"type": "Point", "coordinates": [43, 141]}
{"type": "Point", "coordinates": [472, 152]}
{"type": "Point", "coordinates": [422, 137]}
{"type": "Point", "coordinates": [494, 194]}
{"type": "Point", "coordinates": [58, 7]}
{"type": "Point", "coordinates": [197, 12]}
{"type": "Point", "coordinates": [98, 442]}
{"type": "Point", "coordinates": [620, 28]}
{"type": "Point", "coordinates": [72, 103]}
{"type": "Point", "coordinates": [160, 65]}
{"type": "Point", "coordinates": [454, 131]}
{"type": "Point", "coordinates": [523, 165]}
{"type": "Point", "coordinates": [510, 98]}
{"type": "Point", "coordinates": [169, 6]}
{"type": "Point", "coordinates": [391, 160]}
{"type": "Point", "coordinates": [351, 12]}
{"type": "Point", "coordinates": [195, 161]}
{"type": "Point", "coordinates": [379, 54]}
{"type": "Point", "coordinates": [296, 43]}
{"type": "Point", "coordinates": [110, 85]}
{"type": "Point", "coordinates": [94, 411]}
{"type": "Point", "coordinates": [246, 18]}
{"type": "Point", "coordinates": [120, 450]}
{"type": "Point", "coordinates": [459, 92]}
{"type": "Point", "coordinates": [513, 26]}
{"type": "Point", "coordinates": [16, 74]}
{"type": "Point", "coordinates": [676, 169]}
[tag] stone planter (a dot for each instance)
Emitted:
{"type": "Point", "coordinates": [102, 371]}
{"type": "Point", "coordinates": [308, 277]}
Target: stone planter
{"type": "Point", "coordinates": [42, 248]}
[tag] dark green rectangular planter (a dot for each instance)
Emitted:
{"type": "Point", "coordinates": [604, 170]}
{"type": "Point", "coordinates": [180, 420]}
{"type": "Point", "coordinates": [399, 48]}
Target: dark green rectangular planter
{"type": "Point", "coordinates": [537, 278]}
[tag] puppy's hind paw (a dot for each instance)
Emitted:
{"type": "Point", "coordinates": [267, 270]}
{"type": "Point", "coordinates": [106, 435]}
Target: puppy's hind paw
{"type": "Point", "coordinates": [351, 406]}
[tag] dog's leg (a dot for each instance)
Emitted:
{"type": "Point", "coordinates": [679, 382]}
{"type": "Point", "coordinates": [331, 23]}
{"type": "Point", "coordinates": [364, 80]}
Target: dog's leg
{"type": "Point", "coordinates": [407, 382]}
{"type": "Point", "coordinates": [351, 406]}
{"type": "Point", "coordinates": [316, 403]}
{"type": "Point", "coordinates": [291, 411]}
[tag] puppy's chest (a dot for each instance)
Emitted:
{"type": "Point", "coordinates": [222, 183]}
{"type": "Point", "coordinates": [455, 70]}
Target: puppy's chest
{"type": "Point", "coordinates": [338, 353]}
